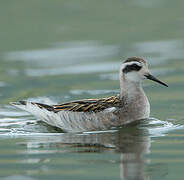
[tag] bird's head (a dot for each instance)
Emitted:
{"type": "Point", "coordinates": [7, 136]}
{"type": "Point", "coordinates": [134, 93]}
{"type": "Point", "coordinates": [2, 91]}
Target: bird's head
{"type": "Point", "coordinates": [135, 70]}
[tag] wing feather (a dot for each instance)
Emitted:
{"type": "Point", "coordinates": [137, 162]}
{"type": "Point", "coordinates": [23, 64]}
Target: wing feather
{"type": "Point", "coordinates": [86, 105]}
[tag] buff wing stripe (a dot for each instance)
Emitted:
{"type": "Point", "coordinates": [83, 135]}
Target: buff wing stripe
{"type": "Point", "coordinates": [88, 105]}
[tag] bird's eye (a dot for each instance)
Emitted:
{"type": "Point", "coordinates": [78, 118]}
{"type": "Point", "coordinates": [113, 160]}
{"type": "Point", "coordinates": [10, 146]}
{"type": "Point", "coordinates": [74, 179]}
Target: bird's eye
{"type": "Point", "coordinates": [135, 66]}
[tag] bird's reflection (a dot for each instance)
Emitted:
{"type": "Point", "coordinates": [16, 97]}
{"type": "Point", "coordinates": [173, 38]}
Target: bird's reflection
{"type": "Point", "coordinates": [130, 141]}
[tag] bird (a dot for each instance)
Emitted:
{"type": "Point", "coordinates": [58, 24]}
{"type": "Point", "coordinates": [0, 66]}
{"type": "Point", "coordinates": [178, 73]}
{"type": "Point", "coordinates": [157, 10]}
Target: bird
{"type": "Point", "coordinates": [131, 104]}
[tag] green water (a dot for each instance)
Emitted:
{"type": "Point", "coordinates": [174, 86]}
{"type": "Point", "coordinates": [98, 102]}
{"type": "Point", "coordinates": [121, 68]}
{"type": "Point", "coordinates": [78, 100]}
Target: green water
{"type": "Point", "coordinates": [56, 51]}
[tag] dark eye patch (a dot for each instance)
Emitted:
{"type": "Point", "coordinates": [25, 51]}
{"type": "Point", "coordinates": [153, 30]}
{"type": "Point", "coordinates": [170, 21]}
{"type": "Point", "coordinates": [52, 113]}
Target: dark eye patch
{"type": "Point", "coordinates": [132, 67]}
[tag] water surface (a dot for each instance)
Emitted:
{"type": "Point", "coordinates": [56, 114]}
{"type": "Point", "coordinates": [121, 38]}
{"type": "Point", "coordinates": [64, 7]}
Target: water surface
{"type": "Point", "coordinates": [53, 52]}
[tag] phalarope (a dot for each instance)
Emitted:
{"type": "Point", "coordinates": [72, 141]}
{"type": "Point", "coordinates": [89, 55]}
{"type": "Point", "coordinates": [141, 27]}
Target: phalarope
{"type": "Point", "coordinates": [99, 114]}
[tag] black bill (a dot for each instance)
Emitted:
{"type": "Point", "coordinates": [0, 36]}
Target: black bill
{"type": "Point", "coordinates": [149, 76]}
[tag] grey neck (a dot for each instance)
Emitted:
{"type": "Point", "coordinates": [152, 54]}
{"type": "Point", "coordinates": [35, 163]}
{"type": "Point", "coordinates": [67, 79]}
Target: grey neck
{"type": "Point", "coordinates": [130, 89]}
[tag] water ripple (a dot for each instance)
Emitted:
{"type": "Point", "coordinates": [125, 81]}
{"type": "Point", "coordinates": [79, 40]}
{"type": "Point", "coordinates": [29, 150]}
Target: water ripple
{"type": "Point", "coordinates": [68, 53]}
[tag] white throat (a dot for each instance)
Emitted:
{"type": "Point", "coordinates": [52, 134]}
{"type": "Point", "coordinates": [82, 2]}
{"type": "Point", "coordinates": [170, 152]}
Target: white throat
{"type": "Point", "coordinates": [132, 77]}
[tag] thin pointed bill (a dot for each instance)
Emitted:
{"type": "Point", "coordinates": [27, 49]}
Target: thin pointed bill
{"type": "Point", "coordinates": [149, 76]}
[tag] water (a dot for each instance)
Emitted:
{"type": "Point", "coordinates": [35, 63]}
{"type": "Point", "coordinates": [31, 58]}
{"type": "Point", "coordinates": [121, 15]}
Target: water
{"type": "Point", "coordinates": [57, 51]}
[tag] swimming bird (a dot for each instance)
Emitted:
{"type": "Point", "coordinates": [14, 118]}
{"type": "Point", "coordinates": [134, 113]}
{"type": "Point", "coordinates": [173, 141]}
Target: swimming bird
{"type": "Point", "coordinates": [104, 113]}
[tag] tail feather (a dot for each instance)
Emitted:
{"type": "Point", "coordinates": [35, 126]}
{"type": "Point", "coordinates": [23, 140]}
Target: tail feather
{"type": "Point", "coordinates": [37, 109]}
{"type": "Point", "coordinates": [42, 111]}
{"type": "Point", "coordinates": [21, 105]}
{"type": "Point", "coordinates": [18, 103]}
